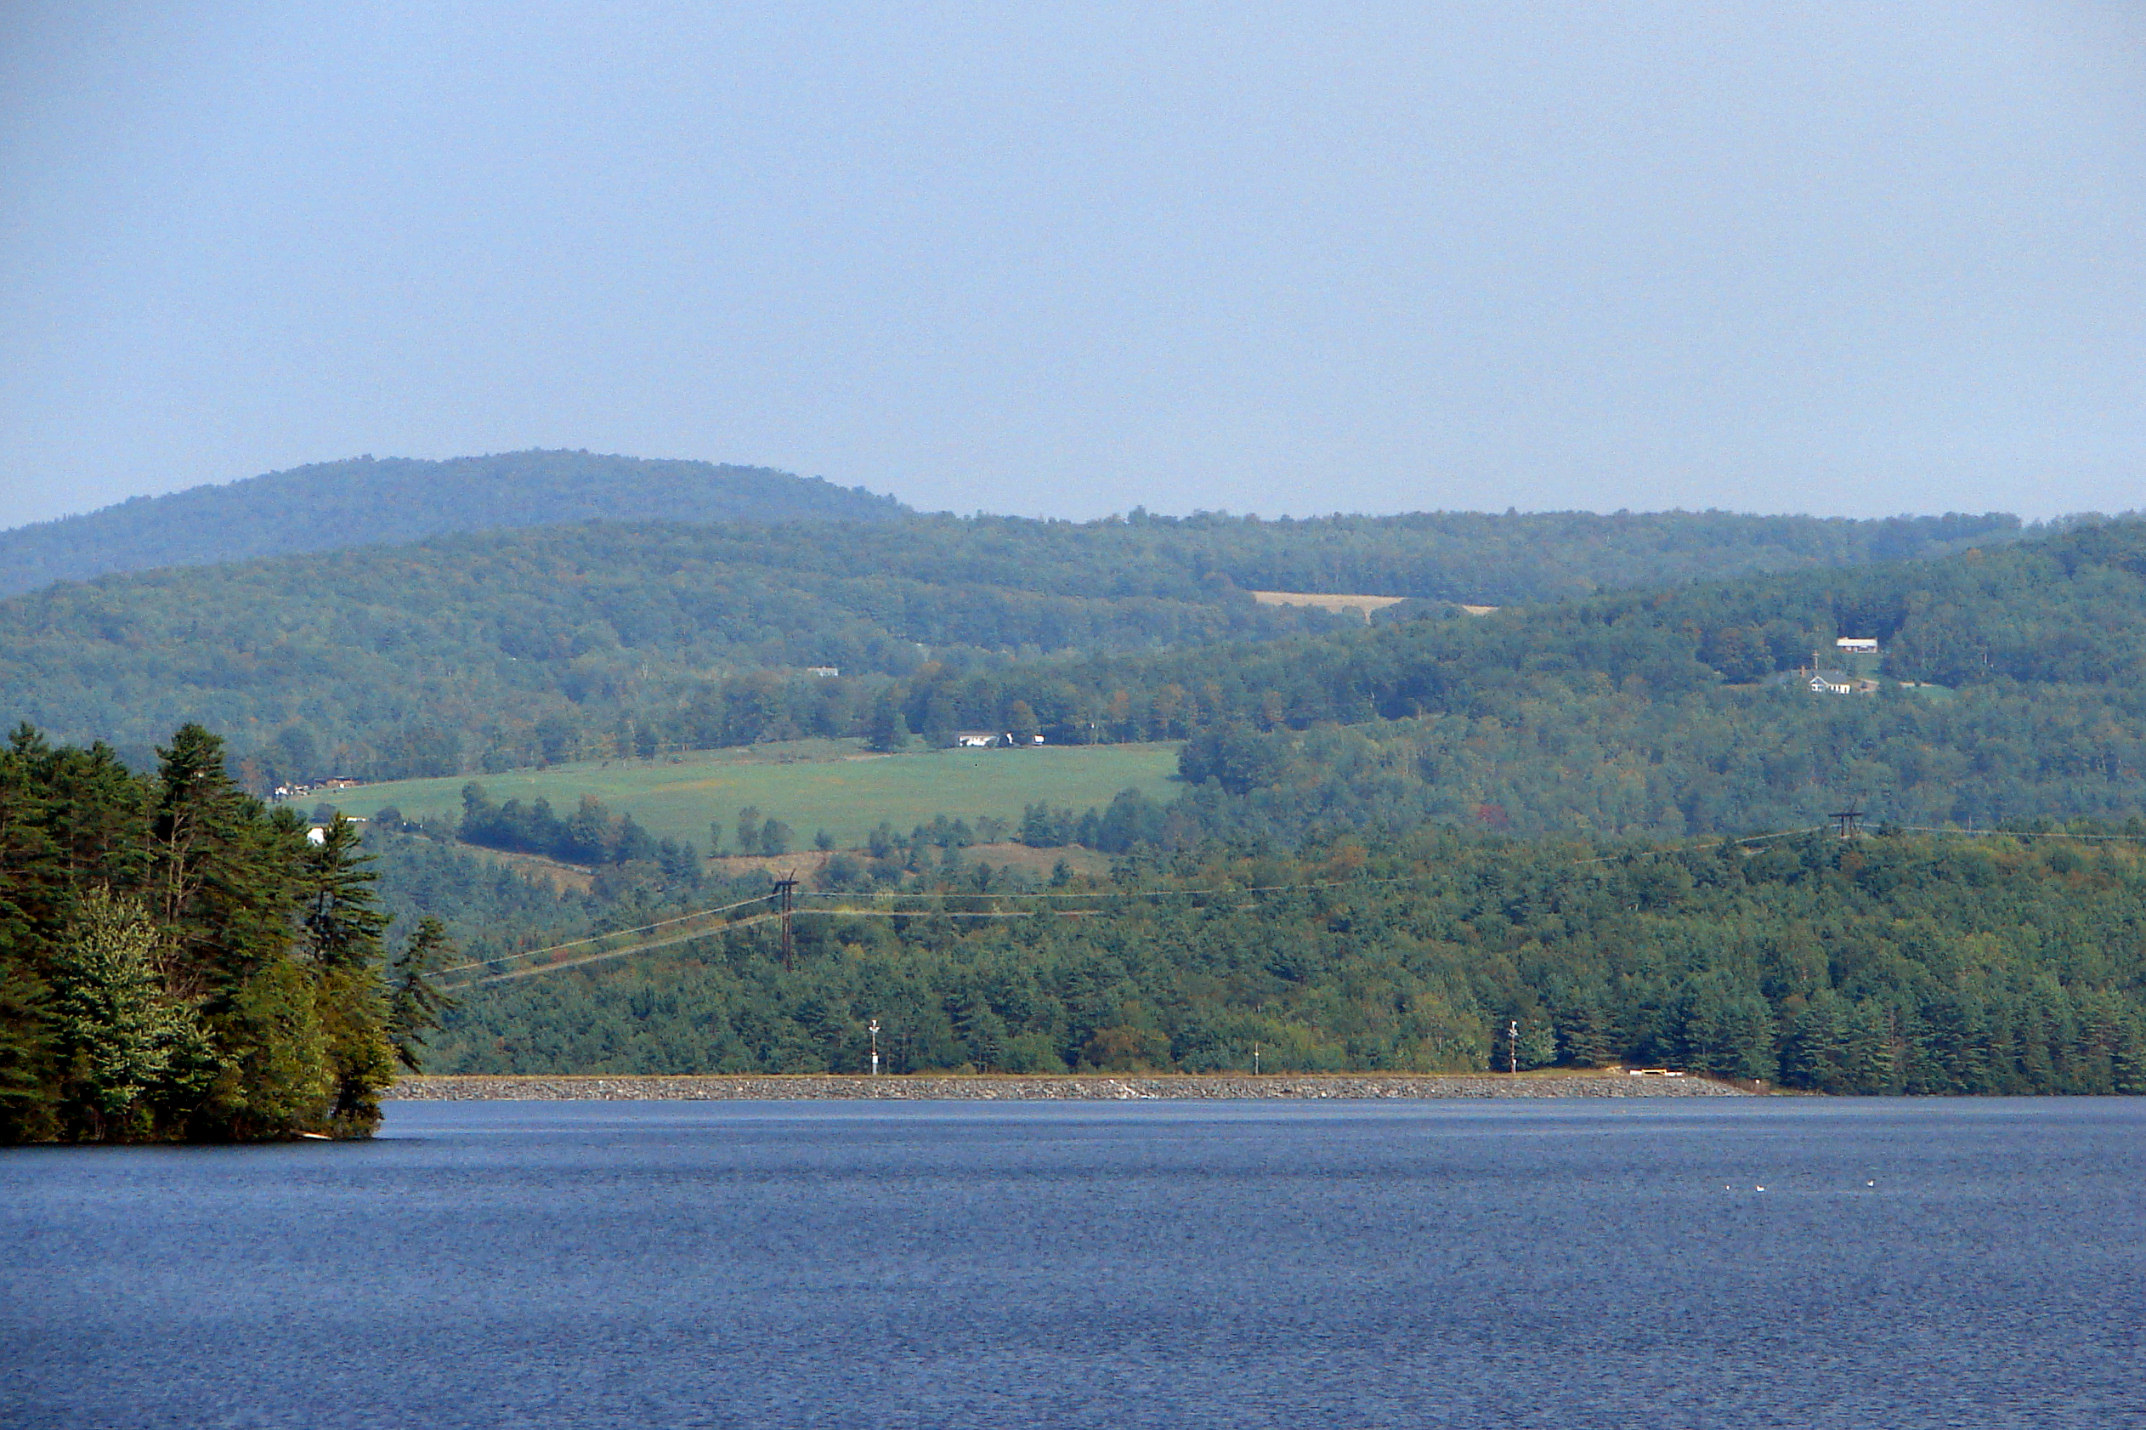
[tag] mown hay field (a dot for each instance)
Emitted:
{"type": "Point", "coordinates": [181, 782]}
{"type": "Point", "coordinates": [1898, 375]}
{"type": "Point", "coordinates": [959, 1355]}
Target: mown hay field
{"type": "Point", "coordinates": [809, 785]}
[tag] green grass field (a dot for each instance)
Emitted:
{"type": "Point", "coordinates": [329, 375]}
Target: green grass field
{"type": "Point", "coordinates": [809, 785]}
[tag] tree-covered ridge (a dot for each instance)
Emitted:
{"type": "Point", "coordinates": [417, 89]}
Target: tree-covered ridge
{"type": "Point", "coordinates": [1894, 964]}
{"type": "Point", "coordinates": [486, 651]}
{"type": "Point", "coordinates": [2014, 691]}
{"type": "Point", "coordinates": [1567, 758]}
{"type": "Point", "coordinates": [2067, 608]}
{"type": "Point", "coordinates": [178, 963]}
{"type": "Point", "coordinates": [332, 505]}
{"type": "Point", "coordinates": [385, 656]}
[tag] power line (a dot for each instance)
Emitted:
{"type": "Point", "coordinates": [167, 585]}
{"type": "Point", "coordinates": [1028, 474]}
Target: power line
{"type": "Point", "coordinates": [785, 891]}
{"type": "Point", "coordinates": [629, 949]}
{"type": "Point", "coordinates": [1288, 888]}
{"type": "Point", "coordinates": [1107, 895]}
{"type": "Point", "coordinates": [2018, 834]}
{"type": "Point", "coordinates": [600, 937]}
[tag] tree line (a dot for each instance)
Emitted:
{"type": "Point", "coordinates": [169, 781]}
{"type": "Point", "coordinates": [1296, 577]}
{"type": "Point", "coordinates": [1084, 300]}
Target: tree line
{"type": "Point", "coordinates": [473, 653]}
{"type": "Point", "coordinates": [1895, 964]}
{"type": "Point", "coordinates": [590, 835]}
{"type": "Point", "coordinates": [178, 962]}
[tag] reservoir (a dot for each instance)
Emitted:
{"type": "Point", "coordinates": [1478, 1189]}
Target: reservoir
{"type": "Point", "coordinates": [736, 1264]}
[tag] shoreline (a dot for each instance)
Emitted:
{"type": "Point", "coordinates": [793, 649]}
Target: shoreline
{"type": "Point", "coordinates": [1003, 1087]}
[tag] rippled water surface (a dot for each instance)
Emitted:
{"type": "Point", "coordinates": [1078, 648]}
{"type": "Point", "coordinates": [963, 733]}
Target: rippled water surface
{"type": "Point", "coordinates": [1424, 1264]}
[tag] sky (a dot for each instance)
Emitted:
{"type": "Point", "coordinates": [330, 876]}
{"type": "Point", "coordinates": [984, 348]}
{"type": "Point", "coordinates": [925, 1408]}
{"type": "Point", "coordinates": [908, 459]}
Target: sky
{"type": "Point", "coordinates": [1842, 258]}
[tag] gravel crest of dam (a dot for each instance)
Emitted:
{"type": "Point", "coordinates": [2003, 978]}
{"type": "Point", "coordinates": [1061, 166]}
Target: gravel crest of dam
{"type": "Point", "coordinates": [988, 1087]}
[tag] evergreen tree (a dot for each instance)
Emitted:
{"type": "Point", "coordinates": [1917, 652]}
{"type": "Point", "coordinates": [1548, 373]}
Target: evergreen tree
{"type": "Point", "coordinates": [415, 1002]}
{"type": "Point", "coordinates": [127, 1042]}
{"type": "Point", "coordinates": [343, 926]}
{"type": "Point", "coordinates": [342, 921]}
{"type": "Point", "coordinates": [220, 876]}
{"type": "Point", "coordinates": [175, 960]}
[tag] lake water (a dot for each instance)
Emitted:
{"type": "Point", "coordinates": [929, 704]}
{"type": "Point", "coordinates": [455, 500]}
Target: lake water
{"type": "Point", "coordinates": [1582, 1264]}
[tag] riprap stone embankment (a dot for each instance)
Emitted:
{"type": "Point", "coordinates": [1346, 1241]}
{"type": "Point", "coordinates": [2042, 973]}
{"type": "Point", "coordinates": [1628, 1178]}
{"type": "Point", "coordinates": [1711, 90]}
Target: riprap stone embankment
{"type": "Point", "coordinates": [992, 1088]}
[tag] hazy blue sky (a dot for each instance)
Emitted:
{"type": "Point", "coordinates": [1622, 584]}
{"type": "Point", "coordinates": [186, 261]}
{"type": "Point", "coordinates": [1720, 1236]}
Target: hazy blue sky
{"type": "Point", "coordinates": [1854, 258]}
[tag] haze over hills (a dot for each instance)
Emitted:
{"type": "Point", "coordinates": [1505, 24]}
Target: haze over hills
{"type": "Point", "coordinates": [505, 648]}
{"type": "Point", "coordinates": [363, 502]}
{"type": "Point", "coordinates": [1499, 777]}
{"type": "Point", "coordinates": [1439, 829]}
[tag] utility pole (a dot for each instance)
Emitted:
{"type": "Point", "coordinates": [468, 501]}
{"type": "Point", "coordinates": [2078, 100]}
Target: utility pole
{"type": "Point", "coordinates": [874, 1030]}
{"type": "Point", "coordinates": [1512, 1047]}
{"type": "Point", "coordinates": [1849, 819]}
{"type": "Point", "coordinates": [785, 887]}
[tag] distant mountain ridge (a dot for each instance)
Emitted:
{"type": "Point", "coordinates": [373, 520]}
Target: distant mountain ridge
{"type": "Point", "coordinates": [363, 502]}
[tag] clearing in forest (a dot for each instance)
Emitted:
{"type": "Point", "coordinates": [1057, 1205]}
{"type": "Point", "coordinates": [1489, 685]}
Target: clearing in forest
{"type": "Point", "coordinates": [809, 785]}
{"type": "Point", "coordinates": [1362, 605]}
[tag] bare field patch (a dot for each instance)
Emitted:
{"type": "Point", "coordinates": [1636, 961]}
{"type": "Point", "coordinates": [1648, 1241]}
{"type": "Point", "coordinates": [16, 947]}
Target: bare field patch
{"type": "Point", "coordinates": [566, 878]}
{"type": "Point", "coordinates": [1361, 605]}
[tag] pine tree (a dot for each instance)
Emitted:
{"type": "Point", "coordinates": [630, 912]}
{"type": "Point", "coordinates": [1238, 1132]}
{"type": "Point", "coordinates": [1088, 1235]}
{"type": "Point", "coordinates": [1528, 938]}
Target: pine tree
{"type": "Point", "coordinates": [221, 876]}
{"type": "Point", "coordinates": [415, 1003]}
{"type": "Point", "coordinates": [342, 922]}
{"type": "Point", "coordinates": [127, 1041]}
{"type": "Point", "coordinates": [1583, 1034]}
{"type": "Point", "coordinates": [175, 960]}
{"type": "Point", "coordinates": [343, 927]}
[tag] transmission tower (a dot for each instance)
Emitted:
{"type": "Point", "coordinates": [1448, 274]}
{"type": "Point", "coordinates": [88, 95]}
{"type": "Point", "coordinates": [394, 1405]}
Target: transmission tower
{"type": "Point", "coordinates": [785, 887]}
{"type": "Point", "coordinates": [1849, 820]}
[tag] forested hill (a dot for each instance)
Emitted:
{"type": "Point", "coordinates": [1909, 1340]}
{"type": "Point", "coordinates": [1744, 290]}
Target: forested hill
{"type": "Point", "coordinates": [502, 648]}
{"type": "Point", "coordinates": [1472, 557]}
{"type": "Point", "coordinates": [1893, 964]}
{"type": "Point", "coordinates": [332, 505]}
{"type": "Point", "coordinates": [2010, 690]}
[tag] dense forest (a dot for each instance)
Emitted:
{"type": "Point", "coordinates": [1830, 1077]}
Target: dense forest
{"type": "Point", "coordinates": [332, 506]}
{"type": "Point", "coordinates": [1391, 839]}
{"type": "Point", "coordinates": [2012, 688]}
{"type": "Point", "coordinates": [2066, 609]}
{"type": "Point", "coordinates": [178, 963]}
{"type": "Point", "coordinates": [1886, 964]}
{"type": "Point", "coordinates": [470, 653]}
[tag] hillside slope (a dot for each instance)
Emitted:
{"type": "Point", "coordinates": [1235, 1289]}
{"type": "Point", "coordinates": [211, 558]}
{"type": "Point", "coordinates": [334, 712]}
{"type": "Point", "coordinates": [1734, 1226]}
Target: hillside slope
{"type": "Point", "coordinates": [2011, 691]}
{"type": "Point", "coordinates": [493, 649]}
{"type": "Point", "coordinates": [332, 505]}
{"type": "Point", "coordinates": [1883, 965]}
